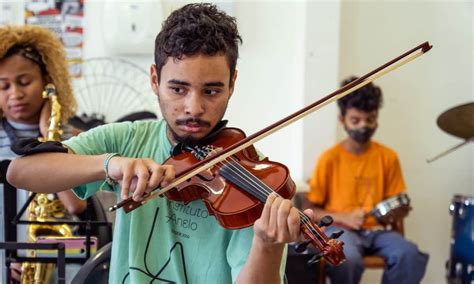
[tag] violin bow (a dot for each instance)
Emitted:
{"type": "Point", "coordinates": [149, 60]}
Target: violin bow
{"type": "Point", "coordinates": [129, 204]}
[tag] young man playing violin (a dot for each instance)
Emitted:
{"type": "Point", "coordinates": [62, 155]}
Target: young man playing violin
{"type": "Point", "coordinates": [193, 77]}
{"type": "Point", "coordinates": [349, 180]}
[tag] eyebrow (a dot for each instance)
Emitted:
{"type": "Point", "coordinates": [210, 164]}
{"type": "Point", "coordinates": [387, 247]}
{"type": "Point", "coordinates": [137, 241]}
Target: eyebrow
{"type": "Point", "coordinates": [16, 76]}
{"type": "Point", "coordinates": [214, 84]}
{"type": "Point", "coordinates": [178, 82]}
{"type": "Point", "coordinates": [184, 83]}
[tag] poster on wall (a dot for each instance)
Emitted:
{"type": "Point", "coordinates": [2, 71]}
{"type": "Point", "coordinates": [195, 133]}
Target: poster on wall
{"type": "Point", "coordinates": [6, 14]}
{"type": "Point", "coordinates": [65, 17]}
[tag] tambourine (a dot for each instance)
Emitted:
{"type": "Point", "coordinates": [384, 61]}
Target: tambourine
{"type": "Point", "coordinates": [392, 209]}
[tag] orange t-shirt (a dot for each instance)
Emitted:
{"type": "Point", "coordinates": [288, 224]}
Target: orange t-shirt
{"type": "Point", "coordinates": [343, 182]}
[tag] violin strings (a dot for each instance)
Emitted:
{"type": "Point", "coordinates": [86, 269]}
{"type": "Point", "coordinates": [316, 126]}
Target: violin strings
{"type": "Point", "coordinates": [264, 191]}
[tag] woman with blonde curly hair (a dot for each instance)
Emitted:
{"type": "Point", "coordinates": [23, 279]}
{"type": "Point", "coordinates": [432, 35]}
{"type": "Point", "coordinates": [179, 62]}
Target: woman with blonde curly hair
{"type": "Point", "coordinates": [30, 58]}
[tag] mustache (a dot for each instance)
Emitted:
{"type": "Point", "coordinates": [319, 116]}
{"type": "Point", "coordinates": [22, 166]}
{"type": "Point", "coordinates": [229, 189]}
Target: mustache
{"type": "Point", "coordinates": [193, 120]}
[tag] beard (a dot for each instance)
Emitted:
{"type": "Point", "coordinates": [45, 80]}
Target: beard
{"type": "Point", "coordinates": [184, 139]}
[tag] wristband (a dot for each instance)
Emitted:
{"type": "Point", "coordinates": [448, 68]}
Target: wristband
{"type": "Point", "coordinates": [108, 179]}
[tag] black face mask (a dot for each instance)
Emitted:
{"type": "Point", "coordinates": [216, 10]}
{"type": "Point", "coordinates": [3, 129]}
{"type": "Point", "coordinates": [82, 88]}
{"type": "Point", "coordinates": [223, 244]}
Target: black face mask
{"type": "Point", "coordinates": [361, 135]}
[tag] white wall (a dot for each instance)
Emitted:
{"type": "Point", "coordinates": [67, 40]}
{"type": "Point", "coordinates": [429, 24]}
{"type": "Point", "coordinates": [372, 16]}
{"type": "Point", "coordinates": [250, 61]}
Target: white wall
{"type": "Point", "coordinates": [270, 83]}
{"type": "Point", "coordinates": [321, 78]}
{"type": "Point", "coordinates": [371, 33]}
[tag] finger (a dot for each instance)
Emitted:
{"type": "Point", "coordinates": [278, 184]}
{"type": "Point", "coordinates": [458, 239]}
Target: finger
{"type": "Point", "coordinates": [155, 170]}
{"type": "Point", "coordinates": [294, 224]}
{"type": "Point", "coordinates": [310, 214]}
{"type": "Point", "coordinates": [168, 176]}
{"type": "Point", "coordinates": [125, 190]}
{"type": "Point", "coordinates": [358, 224]}
{"type": "Point", "coordinates": [265, 217]}
{"type": "Point", "coordinates": [283, 213]}
{"type": "Point", "coordinates": [126, 180]}
{"type": "Point", "coordinates": [273, 222]}
{"type": "Point", "coordinates": [156, 177]}
{"type": "Point", "coordinates": [142, 174]}
{"type": "Point", "coordinates": [133, 184]}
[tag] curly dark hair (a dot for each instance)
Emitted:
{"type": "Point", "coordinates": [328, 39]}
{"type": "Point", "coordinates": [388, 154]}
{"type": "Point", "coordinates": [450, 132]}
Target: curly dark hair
{"type": "Point", "coordinates": [42, 46]}
{"type": "Point", "coordinates": [30, 53]}
{"type": "Point", "coordinates": [367, 98]}
{"type": "Point", "coordinates": [198, 28]}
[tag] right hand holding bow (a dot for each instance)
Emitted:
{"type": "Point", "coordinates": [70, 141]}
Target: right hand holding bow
{"type": "Point", "coordinates": [139, 176]}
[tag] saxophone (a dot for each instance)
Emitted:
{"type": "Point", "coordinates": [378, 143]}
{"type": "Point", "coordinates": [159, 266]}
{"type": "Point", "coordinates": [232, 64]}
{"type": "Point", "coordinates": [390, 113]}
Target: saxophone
{"type": "Point", "coordinates": [44, 207]}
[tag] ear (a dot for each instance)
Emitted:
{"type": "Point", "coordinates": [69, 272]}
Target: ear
{"type": "Point", "coordinates": [154, 79]}
{"type": "Point", "coordinates": [341, 118]}
{"type": "Point", "coordinates": [232, 82]}
{"type": "Point", "coordinates": [47, 79]}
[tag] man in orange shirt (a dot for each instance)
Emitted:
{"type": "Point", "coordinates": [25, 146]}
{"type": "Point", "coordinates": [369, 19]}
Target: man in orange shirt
{"type": "Point", "coordinates": [349, 180]}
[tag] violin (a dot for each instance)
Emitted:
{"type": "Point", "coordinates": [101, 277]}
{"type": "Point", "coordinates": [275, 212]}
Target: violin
{"type": "Point", "coordinates": [235, 190]}
{"type": "Point", "coordinates": [234, 184]}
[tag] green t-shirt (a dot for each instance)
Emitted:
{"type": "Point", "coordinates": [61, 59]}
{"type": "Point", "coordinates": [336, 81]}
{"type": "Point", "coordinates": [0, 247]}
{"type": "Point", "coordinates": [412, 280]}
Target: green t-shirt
{"type": "Point", "coordinates": [162, 240]}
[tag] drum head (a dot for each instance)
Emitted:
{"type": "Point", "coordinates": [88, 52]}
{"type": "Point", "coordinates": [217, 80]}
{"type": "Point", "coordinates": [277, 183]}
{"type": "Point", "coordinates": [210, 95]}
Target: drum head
{"type": "Point", "coordinates": [392, 209]}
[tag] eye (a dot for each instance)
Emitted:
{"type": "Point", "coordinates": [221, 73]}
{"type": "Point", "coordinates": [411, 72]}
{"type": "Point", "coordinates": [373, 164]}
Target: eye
{"type": "Point", "coordinates": [355, 120]}
{"type": "Point", "coordinates": [176, 90]}
{"type": "Point", "coordinates": [212, 92]}
{"type": "Point", "coordinates": [4, 86]}
{"type": "Point", "coordinates": [25, 82]}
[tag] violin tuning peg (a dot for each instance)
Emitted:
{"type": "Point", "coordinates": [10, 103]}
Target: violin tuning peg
{"type": "Point", "coordinates": [301, 246]}
{"type": "Point", "coordinates": [325, 221]}
{"type": "Point", "coordinates": [336, 234]}
{"type": "Point", "coordinates": [315, 259]}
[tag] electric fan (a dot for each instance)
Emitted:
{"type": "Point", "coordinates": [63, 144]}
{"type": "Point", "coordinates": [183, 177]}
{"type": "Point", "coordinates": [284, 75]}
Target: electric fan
{"type": "Point", "coordinates": [111, 90]}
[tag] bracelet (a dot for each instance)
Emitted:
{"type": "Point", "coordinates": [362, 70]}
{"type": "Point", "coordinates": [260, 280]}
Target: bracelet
{"type": "Point", "coordinates": [107, 159]}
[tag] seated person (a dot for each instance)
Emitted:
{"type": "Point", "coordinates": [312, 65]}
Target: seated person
{"type": "Point", "coordinates": [30, 58]}
{"type": "Point", "coordinates": [349, 180]}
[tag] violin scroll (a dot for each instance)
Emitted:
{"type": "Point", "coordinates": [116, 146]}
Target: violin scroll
{"type": "Point", "coordinates": [329, 247]}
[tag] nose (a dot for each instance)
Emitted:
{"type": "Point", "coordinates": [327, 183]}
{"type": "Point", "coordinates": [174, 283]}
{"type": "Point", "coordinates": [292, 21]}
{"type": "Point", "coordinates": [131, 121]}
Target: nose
{"type": "Point", "coordinates": [364, 123]}
{"type": "Point", "coordinates": [193, 105]}
{"type": "Point", "coordinates": [369, 123]}
{"type": "Point", "coordinates": [16, 92]}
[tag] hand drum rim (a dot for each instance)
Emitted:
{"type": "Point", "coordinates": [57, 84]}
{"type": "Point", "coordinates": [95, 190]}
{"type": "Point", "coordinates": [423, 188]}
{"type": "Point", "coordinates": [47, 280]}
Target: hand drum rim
{"type": "Point", "coordinates": [392, 209]}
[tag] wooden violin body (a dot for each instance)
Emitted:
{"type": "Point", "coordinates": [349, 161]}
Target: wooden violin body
{"type": "Point", "coordinates": [232, 206]}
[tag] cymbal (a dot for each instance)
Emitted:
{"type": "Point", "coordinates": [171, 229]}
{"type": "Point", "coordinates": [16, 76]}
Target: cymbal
{"type": "Point", "coordinates": [458, 121]}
